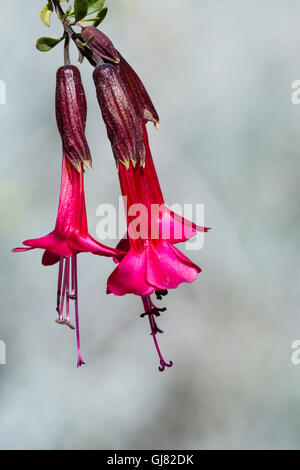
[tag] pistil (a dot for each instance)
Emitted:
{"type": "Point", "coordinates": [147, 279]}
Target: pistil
{"type": "Point", "coordinates": [154, 330]}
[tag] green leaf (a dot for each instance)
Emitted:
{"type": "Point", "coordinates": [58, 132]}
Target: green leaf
{"type": "Point", "coordinates": [46, 13]}
{"type": "Point", "coordinates": [45, 44]}
{"type": "Point", "coordinates": [80, 9]}
{"type": "Point", "coordinates": [100, 17]}
{"type": "Point", "coordinates": [95, 6]}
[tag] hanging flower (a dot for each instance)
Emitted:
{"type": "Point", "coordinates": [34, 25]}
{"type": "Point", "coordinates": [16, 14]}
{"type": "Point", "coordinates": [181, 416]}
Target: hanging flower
{"type": "Point", "coordinates": [70, 235]}
{"type": "Point", "coordinates": [151, 263]}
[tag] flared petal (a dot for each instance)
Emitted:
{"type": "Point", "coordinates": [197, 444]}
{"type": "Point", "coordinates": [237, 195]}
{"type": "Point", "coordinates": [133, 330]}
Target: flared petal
{"type": "Point", "coordinates": [167, 267]}
{"type": "Point", "coordinates": [158, 266]}
{"type": "Point", "coordinates": [51, 242]}
{"type": "Point", "coordinates": [176, 228]}
{"type": "Point", "coordinates": [87, 243]}
{"type": "Point", "coordinates": [21, 249]}
{"type": "Point", "coordinates": [129, 276]}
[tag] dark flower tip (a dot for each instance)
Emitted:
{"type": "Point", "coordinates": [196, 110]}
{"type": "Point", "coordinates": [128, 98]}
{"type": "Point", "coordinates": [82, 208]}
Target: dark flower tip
{"type": "Point", "coordinates": [123, 126]}
{"type": "Point", "coordinates": [71, 113]}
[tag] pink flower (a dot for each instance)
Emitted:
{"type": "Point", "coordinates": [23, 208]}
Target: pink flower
{"type": "Point", "coordinates": [151, 264]}
{"type": "Point", "coordinates": [70, 235]}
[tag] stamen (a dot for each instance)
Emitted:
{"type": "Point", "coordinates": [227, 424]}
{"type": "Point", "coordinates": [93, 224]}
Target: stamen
{"type": "Point", "coordinates": [160, 293]}
{"type": "Point", "coordinates": [67, 272]}
{"type": "Point", "coordinates": [152, 312]}
{"type": "Point", "coordinates": [71, 296]}
{"type": "Point", "coordinates": [154, 329]}
{"type": "Point", "coordinates": [157, 330]}
{"type": "Point", "coordinates": [61, 307]}
{"type": "Point", "coordinates": [64, 265]}
{"type": "Point", "coordinates": [60, 273]}
{"type": "Point", "coordinates": [80, 361]}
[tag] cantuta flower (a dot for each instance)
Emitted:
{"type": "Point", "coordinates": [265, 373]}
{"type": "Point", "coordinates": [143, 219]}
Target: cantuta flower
{"type": "Point", "coordinates": [70, 235]}
{"type": "Point", "coordinates": [152, 263]}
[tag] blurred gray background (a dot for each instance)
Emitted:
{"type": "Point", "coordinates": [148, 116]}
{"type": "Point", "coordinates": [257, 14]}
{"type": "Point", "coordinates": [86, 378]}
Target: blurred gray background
{"type": "Point", "coordinates": [220, 75]}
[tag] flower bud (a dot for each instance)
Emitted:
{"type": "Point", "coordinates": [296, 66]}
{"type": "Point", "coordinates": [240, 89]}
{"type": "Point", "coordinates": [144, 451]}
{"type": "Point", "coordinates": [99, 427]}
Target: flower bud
{"type": "Point", "coordinates": [71, 113]}
{"type": "Point", "coordinates": [137, 92]}
{"type": "Point", "coordinates": [100, 44]}
{"type": "Point", "coordinates": [123, 126]}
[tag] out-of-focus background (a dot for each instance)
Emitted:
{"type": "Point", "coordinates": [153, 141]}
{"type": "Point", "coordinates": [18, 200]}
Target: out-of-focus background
{"type": "Point", "coordinates": [220, 75]}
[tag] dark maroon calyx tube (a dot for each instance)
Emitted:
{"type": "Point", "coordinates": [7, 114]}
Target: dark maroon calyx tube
{"type": "Point", "coordinates": [71, 111]}
{"type": "Point", "coordinates": [124, 129]}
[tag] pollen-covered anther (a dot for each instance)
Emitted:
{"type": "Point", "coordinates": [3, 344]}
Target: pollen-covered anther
{"type": "Point", "coordinates": [153, 312]}
{"type": "Point", "coordinates": [65, 322]}
{"type": "Point", "coordinates": [161, 293]}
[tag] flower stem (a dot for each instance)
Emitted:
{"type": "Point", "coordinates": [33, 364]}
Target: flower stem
{"type": "Point", "coordinates": [85, 51]}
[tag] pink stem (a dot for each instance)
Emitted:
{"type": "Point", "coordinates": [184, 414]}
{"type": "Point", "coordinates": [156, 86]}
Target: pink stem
{"type": "Point", "coordinates": [67, 271]}
{"type": "Point", "coordinates": [60, 273]}
{"type": "Point", "coordinates": [61, 308]}
{"type": "Point", "coordinates": [75, 283]}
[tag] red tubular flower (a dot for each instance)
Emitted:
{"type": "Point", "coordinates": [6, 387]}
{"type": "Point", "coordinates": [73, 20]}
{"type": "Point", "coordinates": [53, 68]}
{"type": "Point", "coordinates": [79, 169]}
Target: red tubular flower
{"type": "Point", "coordinates": [164, 222]}
{"type": "Point", "coordinates": [152, 263]}
{"type": "Point", "coordinates": [70, 235]}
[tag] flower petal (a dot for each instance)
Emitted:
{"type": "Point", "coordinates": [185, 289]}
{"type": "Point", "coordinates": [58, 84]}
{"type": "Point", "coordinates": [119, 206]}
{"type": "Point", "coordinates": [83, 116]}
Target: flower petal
{"type": "Point", "coordinates": [167, 267]}
{"type": "Point", "coordinates": [129, 276]}
{"type": "Point", "coordinates": [48, 258]}
{"type": "Point", "coordinates": [176, 228]}
{"type": "Point", "coordinates": [51, 243]}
